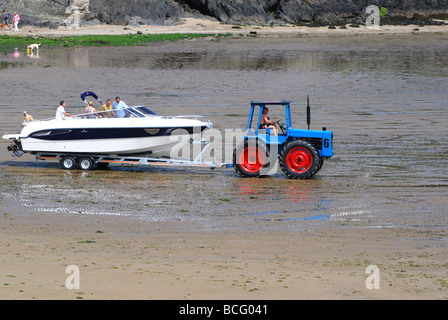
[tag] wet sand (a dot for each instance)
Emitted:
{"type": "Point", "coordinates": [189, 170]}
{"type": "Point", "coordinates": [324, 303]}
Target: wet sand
{"type": "Point", "coordinates": [166, 233]}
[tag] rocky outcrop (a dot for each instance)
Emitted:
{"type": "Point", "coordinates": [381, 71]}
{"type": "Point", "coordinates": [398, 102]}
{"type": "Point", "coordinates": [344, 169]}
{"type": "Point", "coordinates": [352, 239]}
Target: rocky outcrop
{"type": "Point", "coordinates": [262, 12]}
{"type": "Point", "coordinates": [52, 13]}
{"type": "Point", "coordinates": [43, 13]}
{"type": "Point", "coordinates": [123, 12]}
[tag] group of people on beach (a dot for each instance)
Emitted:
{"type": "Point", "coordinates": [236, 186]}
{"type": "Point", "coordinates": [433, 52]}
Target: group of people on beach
{"type": "Point", "coordinates": [5, 19]}
{"type": "Point", "coordinates": [108, 110]}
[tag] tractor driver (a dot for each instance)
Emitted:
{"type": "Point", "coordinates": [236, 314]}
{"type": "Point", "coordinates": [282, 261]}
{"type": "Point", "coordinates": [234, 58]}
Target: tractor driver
{"type": "Point", "coordinates": [265, 123]}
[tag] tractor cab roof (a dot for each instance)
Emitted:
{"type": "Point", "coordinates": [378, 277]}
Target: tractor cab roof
{"type": "Point", "coordinates": [263, 103]}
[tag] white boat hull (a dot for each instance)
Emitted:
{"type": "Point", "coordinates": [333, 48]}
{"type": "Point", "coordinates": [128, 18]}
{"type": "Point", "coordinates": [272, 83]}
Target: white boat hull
{"type": "Point", "coordinates": [159, 146]}
{"type": "Point", "coordinates": [153, 135]}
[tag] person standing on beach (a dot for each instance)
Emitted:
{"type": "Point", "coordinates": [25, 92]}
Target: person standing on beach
{"type": "Point", "coordinates": [16, 19]}
{"type": "Point", "coordinates": [119, 107]}
{"type": "Point", "coordinates": [60, 112]}
{"type": "Point", "coordinates": [5, 20]}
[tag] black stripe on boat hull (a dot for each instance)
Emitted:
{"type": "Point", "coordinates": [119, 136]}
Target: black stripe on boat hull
{"type": "Point", "coordinates": [111, 133]}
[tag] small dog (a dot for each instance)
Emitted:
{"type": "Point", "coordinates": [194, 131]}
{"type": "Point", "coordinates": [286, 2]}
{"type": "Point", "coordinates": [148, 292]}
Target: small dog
{"type": "Point", "coordinates": [27, 117]}
{"type": "Point", "coordinates": [33, 46]}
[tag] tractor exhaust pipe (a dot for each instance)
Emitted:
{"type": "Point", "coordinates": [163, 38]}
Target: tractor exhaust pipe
{"type": "Point", "coordinates": [308, 111]}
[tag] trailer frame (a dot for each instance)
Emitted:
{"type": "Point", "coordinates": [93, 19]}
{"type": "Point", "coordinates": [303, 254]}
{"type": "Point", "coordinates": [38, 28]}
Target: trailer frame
{"type": "Point", "coordinates": [89, 161]}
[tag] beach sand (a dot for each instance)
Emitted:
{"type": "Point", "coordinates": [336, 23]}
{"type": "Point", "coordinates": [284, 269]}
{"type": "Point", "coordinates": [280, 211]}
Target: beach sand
{"type": "Point", "coordinates": [192, 25]}
{"type": "Point", "coordinates": [117, 263]}
{"type": "Point", "coordinates": [122, 258]}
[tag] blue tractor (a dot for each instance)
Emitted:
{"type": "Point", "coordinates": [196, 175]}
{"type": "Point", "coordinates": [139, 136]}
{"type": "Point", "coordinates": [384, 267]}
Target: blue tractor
{"type": "Point", "coordinates": [300, 152]}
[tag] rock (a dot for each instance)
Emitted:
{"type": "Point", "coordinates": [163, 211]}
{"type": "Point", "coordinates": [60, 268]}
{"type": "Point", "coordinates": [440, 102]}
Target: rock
{"type": "Point", "coordinates": [236, 12]}
{"type": "Point", "coordinates": [123, 12]}
{"type": "Point", "coordinates": [136, 21]}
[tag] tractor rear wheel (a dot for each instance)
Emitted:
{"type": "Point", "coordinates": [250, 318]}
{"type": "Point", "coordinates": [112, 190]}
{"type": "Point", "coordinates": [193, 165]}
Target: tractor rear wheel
{"type": "Point", "coordinates": [299, 159]}
{"type": "Point", "coordinates": [250, 159]}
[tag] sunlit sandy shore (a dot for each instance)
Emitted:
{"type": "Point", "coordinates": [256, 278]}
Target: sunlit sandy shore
{"type": "Point", "coordinates": [207, 26]}
{"type": "Point", "coordinates": [52, 218]}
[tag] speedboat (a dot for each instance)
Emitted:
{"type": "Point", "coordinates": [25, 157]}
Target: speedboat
{"type": "Point", "coordinates": [141, 131]}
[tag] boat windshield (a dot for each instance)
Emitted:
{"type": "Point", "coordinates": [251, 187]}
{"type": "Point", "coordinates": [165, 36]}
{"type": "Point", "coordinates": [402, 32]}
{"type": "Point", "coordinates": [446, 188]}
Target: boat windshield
{"type": "Point", "coordinates": [145, 111]}
{"type": "Point", "coordinates": [133, 112]}
{"type": "Point", "coordinates": [139, 112]}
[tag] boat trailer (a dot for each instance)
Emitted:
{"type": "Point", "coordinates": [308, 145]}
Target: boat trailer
{"type": "Point", "coordinates": [70, 161]}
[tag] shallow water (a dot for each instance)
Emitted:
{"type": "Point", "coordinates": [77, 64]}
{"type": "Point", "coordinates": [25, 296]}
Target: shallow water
{"type": "Point", "coordinates": [384, 97]}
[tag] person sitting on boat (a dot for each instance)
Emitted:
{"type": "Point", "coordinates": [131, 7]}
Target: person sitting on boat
{"type": "Point", "coordinates": [60, 112]}
{"type": "Point", "coordinates": [107, 110]}
{"type": "Point", "coordinates": [119, 106]}
{"type": "Point", "coordinates": [265, 123]}
{"type": "Point", "coordinates": [90, 112]}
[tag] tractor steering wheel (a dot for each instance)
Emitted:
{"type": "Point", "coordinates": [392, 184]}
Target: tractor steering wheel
{"type": "Point", "coordinates": [281, 126]}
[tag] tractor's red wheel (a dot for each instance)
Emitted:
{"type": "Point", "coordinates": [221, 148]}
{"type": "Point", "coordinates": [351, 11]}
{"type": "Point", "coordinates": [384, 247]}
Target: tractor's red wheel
{"type": "Point", "coordinates": [249, 160]}
{"type": "Point", "coordinates": [299, 159]}
{"type": "Point", "coordinates": [252, 159]}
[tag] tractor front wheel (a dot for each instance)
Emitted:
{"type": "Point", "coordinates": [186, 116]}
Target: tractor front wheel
{"type": "Point", "coordinates": [250, 159]}
{"type": "Point", "coordinates": [299, 159]}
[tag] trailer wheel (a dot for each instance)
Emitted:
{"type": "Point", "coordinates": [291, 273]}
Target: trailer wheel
{"type": "Point", "coordinates": [299, 159]}
{"type": "Point", "coordinates": [249, 160]}
{"type": "Point", "coordinates": [68, 163]}
{"type": "Point", "coordinates": [86, 163]}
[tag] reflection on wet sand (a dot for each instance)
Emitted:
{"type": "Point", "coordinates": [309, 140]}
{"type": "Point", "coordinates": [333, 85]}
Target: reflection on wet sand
{"type": "Point", "coordinates": [386, 55]}
{"type": "Point", "coordinates": [385, 103]}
